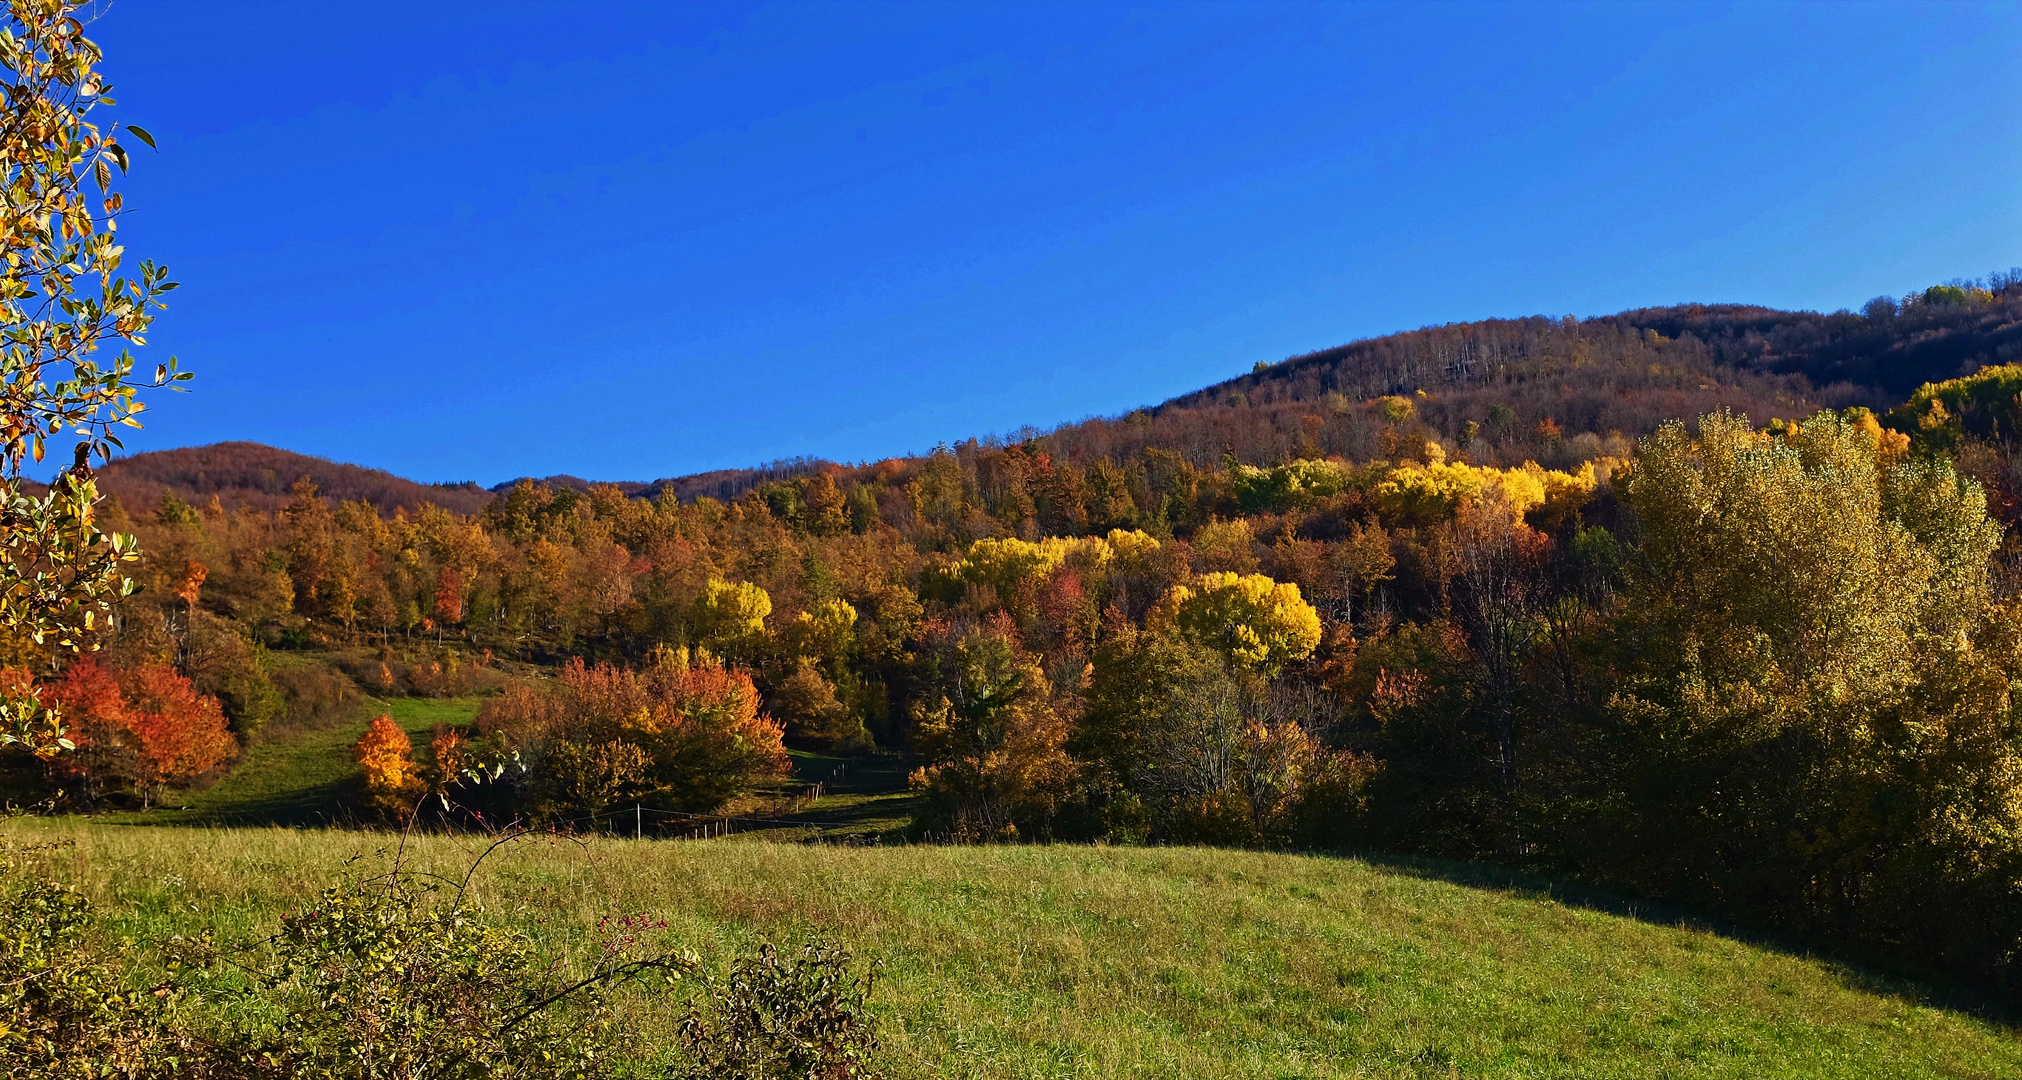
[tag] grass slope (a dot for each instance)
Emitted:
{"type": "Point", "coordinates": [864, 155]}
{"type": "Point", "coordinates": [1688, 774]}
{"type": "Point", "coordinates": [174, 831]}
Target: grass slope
{"type": "Point", "coordinates": [302, 776]}
{"type": "Point", "coordinates": [305, 776]}
{"type": "Point", "coordinates": [1100, 962]}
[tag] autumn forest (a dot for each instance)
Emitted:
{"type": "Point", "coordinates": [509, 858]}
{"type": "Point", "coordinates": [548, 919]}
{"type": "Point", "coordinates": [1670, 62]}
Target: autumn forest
{"type": "Point", "coordinates": [1715, 605]}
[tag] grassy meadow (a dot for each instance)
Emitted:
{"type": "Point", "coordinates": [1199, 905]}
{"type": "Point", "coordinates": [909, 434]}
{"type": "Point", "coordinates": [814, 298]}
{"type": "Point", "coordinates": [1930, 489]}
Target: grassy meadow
{"type": "Point", "coordinates": [1097, 962]}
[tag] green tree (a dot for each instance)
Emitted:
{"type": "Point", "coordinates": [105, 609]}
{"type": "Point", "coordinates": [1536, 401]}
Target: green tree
{"type": "Point", "coordinates": [1811, 717]}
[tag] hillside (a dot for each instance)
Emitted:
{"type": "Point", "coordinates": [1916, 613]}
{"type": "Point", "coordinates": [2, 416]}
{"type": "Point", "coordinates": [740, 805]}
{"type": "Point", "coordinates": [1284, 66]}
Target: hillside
{"type": "Point", "coordinates": [1491, 386]}
{"type": "Point", "coordinates": [247, 475]}
{"type": "Point", "coordinates": [1506, 390]}
{"type": "Point", "coordinates": [1109, 962]}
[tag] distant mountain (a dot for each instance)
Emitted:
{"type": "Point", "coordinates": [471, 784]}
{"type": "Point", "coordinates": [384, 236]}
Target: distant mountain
{"type": "Point", "coordinates": [255, 476]}
{"type": "Point", "coordinates": [721, 484]}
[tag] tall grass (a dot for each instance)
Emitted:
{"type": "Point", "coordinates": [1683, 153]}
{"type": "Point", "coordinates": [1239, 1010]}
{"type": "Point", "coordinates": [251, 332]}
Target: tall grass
{"type": "Point", "coordinates": [1096, 962]}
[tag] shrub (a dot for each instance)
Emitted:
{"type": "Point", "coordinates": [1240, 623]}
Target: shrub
{"type": "Point", "coordinates": [316, 696]}
{"type": "Point", "coordinates": [64, 1014]}
{"type": "Point", "coordinates": [145, 731]}
{"type": "Point", "coordinates": [386, 979]}
{"type": "Point", "coordinates": [395, 977]}
{"type": "Point", "coordinates": [677, 735]}
{"type": "Point", "coordinates": [779, 1016]}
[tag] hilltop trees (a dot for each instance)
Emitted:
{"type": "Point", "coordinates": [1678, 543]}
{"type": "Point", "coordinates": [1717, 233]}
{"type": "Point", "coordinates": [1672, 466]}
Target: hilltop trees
{"type": "Point", "coordinates": [1765, 668]}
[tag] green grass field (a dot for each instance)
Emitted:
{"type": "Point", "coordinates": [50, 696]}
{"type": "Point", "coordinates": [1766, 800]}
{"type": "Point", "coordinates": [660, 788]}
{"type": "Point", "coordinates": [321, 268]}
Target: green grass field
{"type": "Point", "coordinates": [300, 776]}
{"type": "Point", "coordinates": [1073, 961]}
{"type": "Point", "coordinates": [1097, 962]}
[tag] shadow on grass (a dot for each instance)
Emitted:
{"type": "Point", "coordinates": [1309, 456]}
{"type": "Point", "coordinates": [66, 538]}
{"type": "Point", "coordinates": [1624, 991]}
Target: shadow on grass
{"type": "Point", "coordinates": [1862, 971]}
{"type": "Point", "coordinates": [322, 806]}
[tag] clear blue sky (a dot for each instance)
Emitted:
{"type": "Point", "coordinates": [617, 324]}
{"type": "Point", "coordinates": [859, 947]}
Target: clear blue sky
{"type": "Point", "coordinates": [631, 241]}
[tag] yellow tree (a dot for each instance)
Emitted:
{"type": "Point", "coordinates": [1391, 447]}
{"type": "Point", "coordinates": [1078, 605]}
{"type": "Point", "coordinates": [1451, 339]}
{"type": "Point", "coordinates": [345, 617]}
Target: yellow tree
{"type": "Point", "coordinates": [730, 616]}
{"type": "Point", "coordinates": [1253, 620]}
{"type": "Point", "coordinates": [392, 780]}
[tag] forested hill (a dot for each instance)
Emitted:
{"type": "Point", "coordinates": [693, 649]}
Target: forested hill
{"type": "Point", "coordinates": [249, 475]}
{"type": "Point", "coordinates": [1502, 391]}
{"type": "Point", "coordinates": [1509, 390]}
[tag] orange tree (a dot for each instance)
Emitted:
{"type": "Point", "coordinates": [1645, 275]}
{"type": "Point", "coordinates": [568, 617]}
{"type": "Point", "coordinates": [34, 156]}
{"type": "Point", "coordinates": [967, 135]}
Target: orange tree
{"type": "Point", "coordinates": [63, 297]}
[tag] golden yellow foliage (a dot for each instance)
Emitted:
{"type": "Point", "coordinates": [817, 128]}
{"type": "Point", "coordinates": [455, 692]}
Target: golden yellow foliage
{"type": "Point", "coordinates": [1252, 619]}
{"type": "Point", "coordinates": [1004, 563]}
{"type": "Point", "coordinates": [1423, 494]}
{"type": "Point", "coordinates": [387, 756]}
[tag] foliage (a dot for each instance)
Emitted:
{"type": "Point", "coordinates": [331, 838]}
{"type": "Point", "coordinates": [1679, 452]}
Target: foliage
{"type": "Point", "coordinates": [393, 781]}
{"type": "Point", "coordinates": [785, 1016]}
{"type": "Point", "coordinates": [391, 980]}
{"type": "Point", "coordinates": [1438, 489]}
{"type": "Point", "coordinates": [677, 735]}
{"type": "Point", "coordinates": [806, 703]}
{"type": "Point", "coordinates": [1293, 484]}
{"type": "Point", "coordinates": [401, 976]}
{"type": "Point", "coordinates": [993, 740]}
{"type": "Point", "coordinates": [1940, 415]}
{"type": "Point", "coordinates": [1815, 721]}
{"type": "Point", "coordinates": [62, 297]}
{"type": "Point", "coordinates": [1188, 747]}
{"type": "Point", "coordinates": [64, 1014]}
{"type": "Point", "coordinates": [147, 730]}
{"type": "Point", "coordinates": [732, 616]}
{"type": "Point", "coordinates": [1249, 618]}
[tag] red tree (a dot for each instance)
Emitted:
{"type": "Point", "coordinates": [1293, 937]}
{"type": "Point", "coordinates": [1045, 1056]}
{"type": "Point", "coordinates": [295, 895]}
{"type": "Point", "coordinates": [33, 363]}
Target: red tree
{"type": "Point", "coordinates": [147, 730]}
{"type": "Point", "coordinates": [449, 597]}
{"type": "Point", "coordinates": [182, 733]}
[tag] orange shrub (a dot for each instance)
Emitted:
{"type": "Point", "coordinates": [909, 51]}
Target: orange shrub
{"type": "Point", "coordinates": [392, 780]}
{"type": "Point", "coordinates": [699, 736]}
{"type": "Point", "coordinates": [147, 730]}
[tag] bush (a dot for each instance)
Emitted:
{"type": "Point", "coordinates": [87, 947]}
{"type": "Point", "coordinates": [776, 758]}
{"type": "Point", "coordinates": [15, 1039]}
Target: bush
{"type": "Point", "coordinates": [797, 1016]}
{"type": "Point", "coordinates": [386, 979]}
{"type": "Point", "coordinates": [316, 696]}
{"type": "Point", "coordinates": [395, 977]}
{"type": "Point", "coordinates": [63, 1011]}
{"type": "Point", "coordinates": [675, 735]}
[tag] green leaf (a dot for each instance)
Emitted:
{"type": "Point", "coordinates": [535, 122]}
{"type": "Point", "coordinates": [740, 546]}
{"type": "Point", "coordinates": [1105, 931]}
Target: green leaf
{"type": "Point", "coordinates": [141, 134]}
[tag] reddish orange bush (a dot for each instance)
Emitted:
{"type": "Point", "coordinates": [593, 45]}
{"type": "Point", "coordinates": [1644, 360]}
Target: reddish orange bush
{"type": "Point", "coordinates": [147, 730]}
{"type": "Point", "coordinates": [696, 729]}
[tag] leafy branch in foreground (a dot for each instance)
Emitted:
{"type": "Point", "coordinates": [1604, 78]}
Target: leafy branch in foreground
{"type": "Point", "coordinates": [404, 976]}
{"type": "Point", "coordinates": [62, 298]}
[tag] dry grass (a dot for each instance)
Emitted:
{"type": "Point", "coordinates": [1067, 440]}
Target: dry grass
{"type": "Point", "coordinates": [1076, 961]}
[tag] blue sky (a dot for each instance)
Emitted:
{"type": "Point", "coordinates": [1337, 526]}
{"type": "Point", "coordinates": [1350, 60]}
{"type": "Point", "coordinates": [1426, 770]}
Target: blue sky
{"type": "Point", "coordinates": [478, 241]}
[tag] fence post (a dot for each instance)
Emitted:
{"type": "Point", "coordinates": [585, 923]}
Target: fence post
{"type": "Point", "coordinates": [638, 821]}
